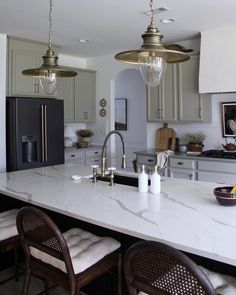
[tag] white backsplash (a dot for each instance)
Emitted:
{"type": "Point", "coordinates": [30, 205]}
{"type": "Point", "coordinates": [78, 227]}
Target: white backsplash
{"type": "Point", "coordinates": [213, 130]}
{"type": "Point", "coordinates": [75, 127]}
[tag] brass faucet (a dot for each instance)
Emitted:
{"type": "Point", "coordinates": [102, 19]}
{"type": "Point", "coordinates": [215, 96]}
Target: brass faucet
{"type": "Point", "coordinates": [103, 160]}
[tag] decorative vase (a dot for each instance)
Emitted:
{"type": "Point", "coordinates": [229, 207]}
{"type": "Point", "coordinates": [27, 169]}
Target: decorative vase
{"type": "Point", "coordinates": [195, 147]}
{"type": "Point", "coordinates": [85, 139]}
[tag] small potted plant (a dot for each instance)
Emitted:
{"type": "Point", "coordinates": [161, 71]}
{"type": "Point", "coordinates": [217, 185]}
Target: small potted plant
{"type": "Point", "coordinates": [194, 141]}
{"type": "Point", "coordinates": [84, 135]}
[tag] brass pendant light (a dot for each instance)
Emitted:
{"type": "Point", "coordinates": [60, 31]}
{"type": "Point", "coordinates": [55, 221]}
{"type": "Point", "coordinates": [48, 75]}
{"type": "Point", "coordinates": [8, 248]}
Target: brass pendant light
{"type": "Point", "coordinates": [50, 70]}
{"type": "Point", "coordinates": [152, 56]}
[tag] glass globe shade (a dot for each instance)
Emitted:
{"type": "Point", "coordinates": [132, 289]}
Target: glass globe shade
{"type": "Point", "coordinates": [49, 83]}
{"type": "Point", "coordinates": [152, 69]}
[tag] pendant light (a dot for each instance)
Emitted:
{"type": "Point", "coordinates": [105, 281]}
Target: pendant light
{"type": "Point", "coordinates": [49, 72]}
{"type": "Point", "coordinates": [152, 56]}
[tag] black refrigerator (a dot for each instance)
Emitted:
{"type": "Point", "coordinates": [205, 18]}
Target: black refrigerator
{"type": "Point", "coordinates": [34, 132]}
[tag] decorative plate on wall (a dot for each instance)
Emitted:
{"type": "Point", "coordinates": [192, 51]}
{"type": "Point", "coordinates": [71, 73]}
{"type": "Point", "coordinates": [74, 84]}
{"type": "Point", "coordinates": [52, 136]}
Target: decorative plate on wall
{"type": "Point", "coordinates": [103, 102]}
{"type": "Point", "coordinates": [103, 112]}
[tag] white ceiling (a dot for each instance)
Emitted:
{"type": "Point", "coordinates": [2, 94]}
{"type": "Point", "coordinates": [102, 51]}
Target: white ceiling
{"type": "Point", "coordinates": [111, 25]}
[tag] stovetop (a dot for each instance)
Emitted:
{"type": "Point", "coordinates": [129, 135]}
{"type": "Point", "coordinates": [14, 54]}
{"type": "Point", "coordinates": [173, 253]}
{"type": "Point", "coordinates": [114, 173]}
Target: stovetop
{"type": "Point", "coordinates": [219, 154]}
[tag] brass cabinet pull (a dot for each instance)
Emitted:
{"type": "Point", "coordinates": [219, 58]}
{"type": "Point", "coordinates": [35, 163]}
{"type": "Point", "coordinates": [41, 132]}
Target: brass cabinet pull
{"type": "Point", "coordinates": [42, 134]}
{"type": "Point", "coordinates": [45, 133]}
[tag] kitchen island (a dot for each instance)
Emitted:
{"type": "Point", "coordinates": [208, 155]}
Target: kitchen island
{"type": "Point", "coordinates": [185, 214]}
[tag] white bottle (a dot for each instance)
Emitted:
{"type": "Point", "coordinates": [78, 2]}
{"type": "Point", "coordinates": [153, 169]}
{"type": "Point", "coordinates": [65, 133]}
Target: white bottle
{"type": "Point", "coordinates": [143, 181]}
{"type": "Point", "coordinates": [155, 182]}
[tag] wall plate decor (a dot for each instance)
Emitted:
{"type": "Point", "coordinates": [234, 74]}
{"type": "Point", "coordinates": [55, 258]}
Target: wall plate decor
{"type": "Point", "coordinates": [103, 112]}
{"type": "Point", "coordinates": [229, 119]}
{"type": "Point", "coordinates": [103, 102]}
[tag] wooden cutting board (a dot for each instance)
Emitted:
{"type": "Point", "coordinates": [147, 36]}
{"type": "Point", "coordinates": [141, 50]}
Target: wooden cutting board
{"type": "Point", "coordinates": [162, 138]}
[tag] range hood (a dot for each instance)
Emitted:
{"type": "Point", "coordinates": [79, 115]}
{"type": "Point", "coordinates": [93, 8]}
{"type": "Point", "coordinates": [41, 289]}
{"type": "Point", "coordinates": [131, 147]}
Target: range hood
{"type": "Point", "coordinates": [217, 71]}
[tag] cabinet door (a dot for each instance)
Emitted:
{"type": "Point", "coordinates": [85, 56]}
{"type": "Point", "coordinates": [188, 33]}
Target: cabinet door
{"type": "Point", "coordinates": [183, 173]}
{"type": "Point", "coordinates": [18, 83]}
{"type": "Point", "coordinates": [190, 101]}
{"type": "Point", "coordinates": [66, 91]}
{"type": "Point", "coordinates": [22, 55]}
{"type": "Point", "coordinates": [162, 100]}
{"type": "Point", "coordinates": [85, 96]}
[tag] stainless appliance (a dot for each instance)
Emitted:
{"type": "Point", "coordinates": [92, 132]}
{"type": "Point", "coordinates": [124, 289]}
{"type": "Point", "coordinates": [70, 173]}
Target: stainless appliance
{"type": "Point", "coordinates": [34, 132]}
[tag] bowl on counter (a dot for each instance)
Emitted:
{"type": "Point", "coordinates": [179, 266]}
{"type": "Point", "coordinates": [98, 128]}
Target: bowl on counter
{"type": "Point", "coordinates": [230, 147]}
{"type": "Point", "coordinates": [224, 196]}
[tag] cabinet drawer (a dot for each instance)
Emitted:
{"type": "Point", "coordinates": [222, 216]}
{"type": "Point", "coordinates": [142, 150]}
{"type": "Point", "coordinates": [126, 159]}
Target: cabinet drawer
{"type": "Point", "coordinates": [93, 153]}
{"type": "Point", "coordinates": [182, 163]}
{"type": "Point", "coordinates": [146, 160]}
{"type": "Point", "coordinates": [217, 166]}
{"type": "Point", "coordinates": [74, 155]}
{"type": "Point", "coordinates": [217, 177]}
{"type": "Point", "coordinates": [92, 161]}
{"type": "Point", "coordinates": [183, 174]}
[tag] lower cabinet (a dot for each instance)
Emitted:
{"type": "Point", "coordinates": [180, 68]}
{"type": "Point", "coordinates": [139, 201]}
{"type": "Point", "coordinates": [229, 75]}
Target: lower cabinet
{"type": "Point", "coordinates": [203, 170]}
{"type": "Point", "coordinates": [88, 156]}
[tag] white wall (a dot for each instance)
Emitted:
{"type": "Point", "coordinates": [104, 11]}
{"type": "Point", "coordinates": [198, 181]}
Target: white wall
{"type": "Point", "coordinates": [212, 130]}
{"type": "Point", "coordinates": [107, 71]}
{"type": "Point", "coordinates": [3, 61]}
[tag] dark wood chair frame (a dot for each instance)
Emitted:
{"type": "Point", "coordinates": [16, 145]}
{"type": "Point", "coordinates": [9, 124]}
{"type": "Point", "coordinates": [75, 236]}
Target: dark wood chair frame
{"type": "Point", "coordinates": [35, 227]}
{"type": "Point", "coordinates": [12, 243]}
{"type": "Point", "coordinates": [137, 271]}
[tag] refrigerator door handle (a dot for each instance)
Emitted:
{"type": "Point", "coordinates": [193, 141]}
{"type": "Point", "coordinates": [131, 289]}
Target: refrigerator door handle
{"type": "Point", "coordinates": [45, 133]}
{"type": "Point", "coordinates": [42, 133]}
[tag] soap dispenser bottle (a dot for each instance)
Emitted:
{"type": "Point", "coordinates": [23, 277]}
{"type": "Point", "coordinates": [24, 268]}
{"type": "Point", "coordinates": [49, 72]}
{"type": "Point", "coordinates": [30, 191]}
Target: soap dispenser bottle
{"type": "Point", "coordinates": [143, 181]}
{"type": "Point", "coordinates": [155, 182]}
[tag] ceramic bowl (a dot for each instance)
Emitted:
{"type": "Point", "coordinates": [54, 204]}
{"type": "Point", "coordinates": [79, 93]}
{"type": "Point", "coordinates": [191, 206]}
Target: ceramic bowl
{"type": "Point", "coordinates": [224, 197]}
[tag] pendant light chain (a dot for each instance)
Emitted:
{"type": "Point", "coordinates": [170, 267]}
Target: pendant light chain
{"type": "Point", "coordinates": [151, 9]}
{"type": "Point", "coordinates": [50, 25]}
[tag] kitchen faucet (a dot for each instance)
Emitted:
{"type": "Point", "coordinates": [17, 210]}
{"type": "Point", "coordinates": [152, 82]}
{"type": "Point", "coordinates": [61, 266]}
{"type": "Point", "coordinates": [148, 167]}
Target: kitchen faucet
{"type": "Point", "coordinates": [103, 160]}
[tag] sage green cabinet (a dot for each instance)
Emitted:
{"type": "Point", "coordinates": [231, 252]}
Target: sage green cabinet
{"type": "Point", "coordinates": [78, 94]}
{"type": "Point", "coordinates": [24, 54]}
{"type": "Point", "coordinates": [177, 98]}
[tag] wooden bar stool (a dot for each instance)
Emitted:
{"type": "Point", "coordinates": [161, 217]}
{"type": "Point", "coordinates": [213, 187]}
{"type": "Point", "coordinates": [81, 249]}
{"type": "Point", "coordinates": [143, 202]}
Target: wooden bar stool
{"type": "Point", "coordinates": [71, 260]}
{"type": "Point", "coordinates": [9, 238]}
{"type": "Point", "coordinates": [155, 268]}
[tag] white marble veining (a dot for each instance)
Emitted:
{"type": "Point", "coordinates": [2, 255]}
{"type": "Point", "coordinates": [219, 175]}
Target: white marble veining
{"type": "Point", "coordinates": [185, 214]}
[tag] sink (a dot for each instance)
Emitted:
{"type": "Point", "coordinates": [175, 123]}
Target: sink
{"type": "Point", "coordinates": [120, 179]}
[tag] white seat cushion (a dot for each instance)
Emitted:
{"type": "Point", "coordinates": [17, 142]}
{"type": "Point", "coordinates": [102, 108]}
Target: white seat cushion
{"type": "Point", "coordinates": [85, 250]}
{"type": "Point", "coordinates": [8, 224]}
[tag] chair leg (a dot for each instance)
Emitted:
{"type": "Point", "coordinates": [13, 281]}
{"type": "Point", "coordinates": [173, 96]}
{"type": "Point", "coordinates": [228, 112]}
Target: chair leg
{"type": "Point", "coordinates": [119, 271]}
{"type": "Point", "coordinates": [46, 287]}
{"type": "Point", "coordinates": [16, 264]}
{"type": "Point", "coordinates": [26, 282]}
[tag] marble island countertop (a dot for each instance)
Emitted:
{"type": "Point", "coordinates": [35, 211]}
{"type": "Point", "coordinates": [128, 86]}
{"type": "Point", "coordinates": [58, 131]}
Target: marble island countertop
{"type": "Point", "coordinates": [185, 214]}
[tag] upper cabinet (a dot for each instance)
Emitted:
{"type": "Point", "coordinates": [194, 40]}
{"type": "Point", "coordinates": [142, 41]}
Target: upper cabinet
{"type": "Point", "coordinates": [24, 55]}
{"type": "Point", "coordinates": [78, 94]}
{"type": "Point", "coordinates": [177, 98]}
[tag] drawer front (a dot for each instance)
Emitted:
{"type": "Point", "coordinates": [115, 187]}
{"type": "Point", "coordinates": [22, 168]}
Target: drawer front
{"type": "Point", "coordinates": [73, 156]}
{"type": "Point", "coordinates": [220, 178]}
{"type": "Point", "coordinates": [93, 161]}
{"type": "Point", "coordinates": [217, 166]}
{"type": "Point", "coordinates": [93, 153]}
{"type": "Point", "coordinates": [182, 163]}
{"type": "Point", "coordinates": [146, 160]}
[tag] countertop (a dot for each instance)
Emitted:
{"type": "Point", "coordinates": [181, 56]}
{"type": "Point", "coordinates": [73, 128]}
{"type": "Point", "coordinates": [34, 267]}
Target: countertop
{"type": "Point", "coordinates": [153, 152]}
{"type": "Point", "coordinates": [185, 214]}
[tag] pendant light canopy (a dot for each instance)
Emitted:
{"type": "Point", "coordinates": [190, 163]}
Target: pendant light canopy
{"type": "Point", "coordinates": [152, 56]}
{"type": "Point", "coordinates": [49, 72]}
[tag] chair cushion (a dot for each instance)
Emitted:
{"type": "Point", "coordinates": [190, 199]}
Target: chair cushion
{"type": "Point", "coordinates": [8, 224]}
{"type": "Point", "coordinates": [85, 250]}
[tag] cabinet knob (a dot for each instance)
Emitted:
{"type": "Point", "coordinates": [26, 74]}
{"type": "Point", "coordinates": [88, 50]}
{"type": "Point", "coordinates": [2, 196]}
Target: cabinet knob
{"type": "Point", "coordinates": [190, 176]}
{"type": "Point", "coordinates": [180, 163]}
{"type": "Point", "coordinates": [150, 160]}
{"type": "Point", "coordinates": [72, 156]}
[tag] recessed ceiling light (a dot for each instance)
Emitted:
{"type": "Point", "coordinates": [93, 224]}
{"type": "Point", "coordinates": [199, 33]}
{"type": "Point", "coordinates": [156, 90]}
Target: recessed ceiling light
{"type": "Point", "coordinates": [83, 40]}
{"type": "Point", "coordinates": [157, 10]}
{"type": "Point", "coordinates": [167, 20]}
